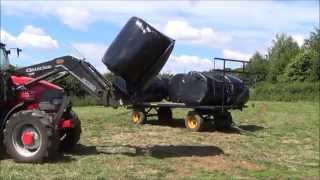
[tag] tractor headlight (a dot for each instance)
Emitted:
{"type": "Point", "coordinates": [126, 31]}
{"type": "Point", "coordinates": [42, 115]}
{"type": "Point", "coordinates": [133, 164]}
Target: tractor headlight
{"type": "Point", "coordinates": [56, 101]}
{"type": "Point", "coordinates": [52, 105]}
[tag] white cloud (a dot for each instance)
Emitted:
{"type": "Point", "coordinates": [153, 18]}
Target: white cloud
{"type": "Point", "coordinates": [182, 30]}
{"type": "Point", "coordinates": [7, 38]}
{"type": "Point", "coordinates": [93, 52]}
{"type": "Point", "coordinates": [231, 13]}
{"type": "Point", "coordinates": [30, 37]}
{"type": "Point", "coordinates": [230, 54]}
{"type": "Point", "coordinates": [186, 63]}
{"type": "Point", "coordinates": [75, 18]}
{"type": "Point", "coordinates": [299, 39]}
{"type": "Point", "coordinates": [33, 30]}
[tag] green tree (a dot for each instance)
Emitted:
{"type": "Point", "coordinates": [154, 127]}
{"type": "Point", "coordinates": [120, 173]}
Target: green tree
{"type": "Point", "coordinates": [313, 42]}
{"type": "Point", "coordinates": [72, 86]}
{"type": "Point", "coordinates": [109, 76]}
{"type": "Point", "coordinates": [301, 68]}
{"type": "Point", "coordinates": [166, 75]}
{"type": "Point", "coordinates": [283, 50]}
{"type": "Point", "coordinates": [258, 65]}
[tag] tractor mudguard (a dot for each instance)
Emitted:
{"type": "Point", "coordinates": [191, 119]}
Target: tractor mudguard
{"type": "Point", "coordinates": [14, 109]}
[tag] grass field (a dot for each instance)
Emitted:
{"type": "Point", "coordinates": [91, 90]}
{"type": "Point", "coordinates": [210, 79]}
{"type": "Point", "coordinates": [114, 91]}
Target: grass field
{"type": "Point", "coordinates": [285, 145]}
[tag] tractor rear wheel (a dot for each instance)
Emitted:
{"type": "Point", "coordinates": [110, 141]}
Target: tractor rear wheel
{"type": "Point", "coordinates": [164, 114]}
{"type": "Point", "coordinates": [138, 116]}
{"type": "Point", "coordinates": [194, 121]}
{"type": "Point", "coordinates": [29, 137]}
{"type": "Point", "coordinates": [71, 135]}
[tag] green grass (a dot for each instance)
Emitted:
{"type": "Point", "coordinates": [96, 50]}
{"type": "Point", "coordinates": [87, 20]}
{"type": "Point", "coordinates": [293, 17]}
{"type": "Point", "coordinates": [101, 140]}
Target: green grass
{"type": "Point", "coordinates": [285, 146]}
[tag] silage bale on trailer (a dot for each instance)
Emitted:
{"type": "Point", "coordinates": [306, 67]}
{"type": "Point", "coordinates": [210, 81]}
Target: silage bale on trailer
{"type": "Point", "coordinates": [196, 88]}
{"type": "Point", "coordinates": [156, 91]}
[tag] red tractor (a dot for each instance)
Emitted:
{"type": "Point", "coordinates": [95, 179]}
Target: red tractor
{"type": "Point", "coordinates": [36, 118]}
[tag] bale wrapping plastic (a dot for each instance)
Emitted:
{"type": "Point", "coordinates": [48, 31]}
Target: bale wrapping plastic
{"type": "Point", "coordinates": [138, 53]}
{"type": "Point", "coordinates": [156, 91]}
{"type": "Point", "coordinates": [196, 88]}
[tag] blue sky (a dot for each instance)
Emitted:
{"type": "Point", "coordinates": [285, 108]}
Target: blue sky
{"type": "Point", "coordinates": [202, 29]}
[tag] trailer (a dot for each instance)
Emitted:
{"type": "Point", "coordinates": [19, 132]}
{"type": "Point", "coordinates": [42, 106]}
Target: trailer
{"type": "Point", "coordinates": [199, 115]}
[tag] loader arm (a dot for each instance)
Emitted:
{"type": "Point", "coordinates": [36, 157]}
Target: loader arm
{"type": "Point", "coordinates": [93, 82]}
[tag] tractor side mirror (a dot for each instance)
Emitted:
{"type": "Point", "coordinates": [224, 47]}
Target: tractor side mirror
{"type": "Point", "coordinates": [18, 51]}
{"type": "Point", "coordinates": [8, 52]}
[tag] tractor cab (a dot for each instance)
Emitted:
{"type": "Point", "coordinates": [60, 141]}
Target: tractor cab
{"type": "Point", "coordinates": [4, 60]}
{"type": "Point", "coordinates": [4, 66]}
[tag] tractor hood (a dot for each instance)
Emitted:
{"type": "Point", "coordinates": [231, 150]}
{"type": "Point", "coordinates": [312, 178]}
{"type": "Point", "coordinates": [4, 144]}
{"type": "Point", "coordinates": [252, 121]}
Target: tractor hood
{"type": "Point", "coordinates": [138, 54]}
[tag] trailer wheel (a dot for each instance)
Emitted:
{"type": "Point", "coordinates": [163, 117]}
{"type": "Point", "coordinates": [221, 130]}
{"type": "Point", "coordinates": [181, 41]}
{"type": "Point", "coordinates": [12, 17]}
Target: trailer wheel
{"type": "Point", "coordinates": [164, 114]}
{"type": "Point", "coordinates": [138, 117]}
{"type": "Point", "coordinates": [223, 120]}
{"type": "Point", "coordinates": [72, 135]}
{"type": "Point", "coordinates": [29, 137]}
{"type": "Point", "coordinates": [194, 121]}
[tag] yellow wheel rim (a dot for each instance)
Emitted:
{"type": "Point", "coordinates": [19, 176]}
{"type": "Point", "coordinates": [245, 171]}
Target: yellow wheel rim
{"type": "Point", "coordinates": [136, 117]}
{"type": "Point", "coordinates": [192, 122]}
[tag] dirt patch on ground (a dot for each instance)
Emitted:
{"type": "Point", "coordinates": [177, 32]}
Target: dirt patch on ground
{"type": "Point", "coordinates": [212, 163]}
{"type": "Point", "coordinates": [249, 165]}
{"type": "Point", "coordinates": [263, 109]}
{"type": "Point", "coordinates": [150, 134]}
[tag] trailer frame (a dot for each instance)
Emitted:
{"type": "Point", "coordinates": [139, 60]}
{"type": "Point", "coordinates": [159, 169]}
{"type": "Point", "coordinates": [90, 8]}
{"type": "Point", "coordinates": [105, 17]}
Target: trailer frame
{"type": "Point", "coordinates": [216, 113]}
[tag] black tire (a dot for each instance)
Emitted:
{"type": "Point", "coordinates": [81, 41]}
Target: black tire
{"type": "Point", "coordinates": [222, 120]}
{"type": "Point", "coordinates": [138, 117]}
{"type": "Point", "coordinates": [72, 135]}
{"type": "Point", "coordinates": [42, 125]}
{"type": "Point", "coordinates": [2, 147]}
{"type": "Point", "coordinates": [194, 122]}
{"type": "Point", "coordinates": [164, 114]}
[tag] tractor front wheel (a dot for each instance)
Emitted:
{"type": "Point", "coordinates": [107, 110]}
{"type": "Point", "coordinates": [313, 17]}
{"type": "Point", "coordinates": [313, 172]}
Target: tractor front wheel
{"type": "Point", "coordinates": [29, 137]}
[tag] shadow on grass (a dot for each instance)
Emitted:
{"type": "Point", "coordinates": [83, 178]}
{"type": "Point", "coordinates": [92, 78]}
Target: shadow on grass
{"type": "Point", "coordinates": [60, 158]}
{"type": "Point", "coordinates": [174, 123]}
{"type": "Point", "coordinates": [251, 128]}
{"type": "Point", "coordinates": [160, 151]}
{"type": "Point", "coordinates": [157, 151]}
{"type": "Point", "coordinates": [209, 127]}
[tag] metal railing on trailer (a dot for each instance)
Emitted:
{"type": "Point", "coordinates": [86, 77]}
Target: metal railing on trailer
{"type": "Point", "coordinates": [229, 70]}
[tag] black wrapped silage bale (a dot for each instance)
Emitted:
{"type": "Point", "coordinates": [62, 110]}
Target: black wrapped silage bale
{"type": "Point", "coordinates": [188, 88]}
{"type": "Point", "coordinates": [138, 53]}
{"type": "Point", "coordinates": [156, 91]}
{"type": "Point", "coordinates": [197, 88]}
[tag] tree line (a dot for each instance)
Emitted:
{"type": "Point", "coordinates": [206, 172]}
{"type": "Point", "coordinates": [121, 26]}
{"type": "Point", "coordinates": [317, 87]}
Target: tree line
{"type": "Point", "coordinates": [287, 62]}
